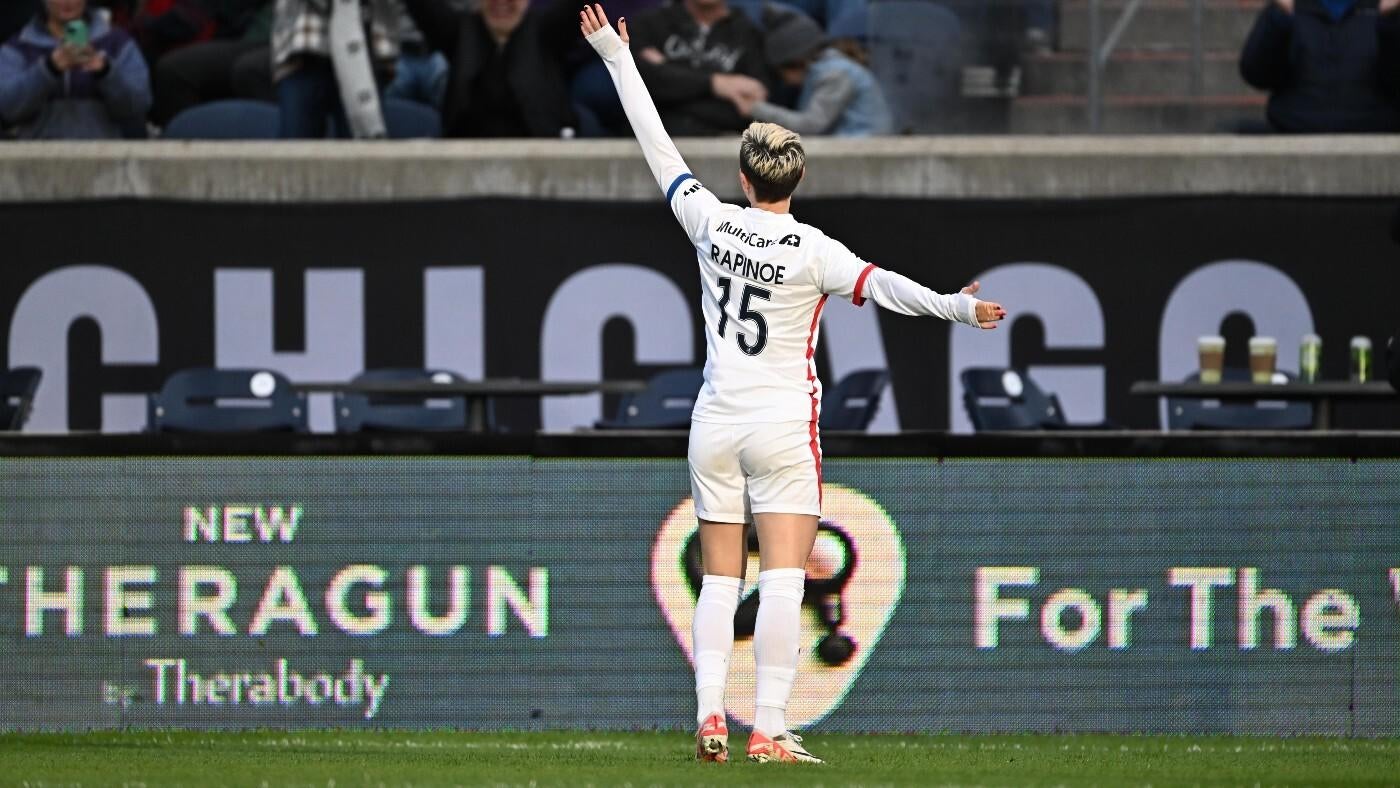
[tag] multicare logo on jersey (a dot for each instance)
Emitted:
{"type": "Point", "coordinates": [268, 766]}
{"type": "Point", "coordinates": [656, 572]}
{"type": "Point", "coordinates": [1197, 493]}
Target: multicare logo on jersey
{"type": "Point", "coordinates": [855, 579]}
{"type": "Point", "coordinates": [752, 238]}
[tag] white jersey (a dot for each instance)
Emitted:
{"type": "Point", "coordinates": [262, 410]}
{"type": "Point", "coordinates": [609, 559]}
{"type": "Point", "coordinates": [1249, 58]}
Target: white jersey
{"type": "Point", "coordinates": [764, 279]}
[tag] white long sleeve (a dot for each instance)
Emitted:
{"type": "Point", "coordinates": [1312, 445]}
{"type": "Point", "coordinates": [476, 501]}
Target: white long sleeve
{"type": "Point", "coordinates": [661, 154]}
{"type": "Point", "coordinates": [899, 293]}
{"type": "Point", "coordinates": [848, 276]}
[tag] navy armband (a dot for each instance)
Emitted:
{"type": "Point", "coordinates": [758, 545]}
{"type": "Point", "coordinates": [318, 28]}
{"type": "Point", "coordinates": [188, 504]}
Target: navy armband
{"type": "Point", "coordinates": [676, 184]}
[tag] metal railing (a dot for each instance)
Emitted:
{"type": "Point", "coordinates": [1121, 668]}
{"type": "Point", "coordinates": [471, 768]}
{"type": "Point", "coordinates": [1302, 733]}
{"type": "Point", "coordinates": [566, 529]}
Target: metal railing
{"type": "Point", "coordinates": [1101, 49]}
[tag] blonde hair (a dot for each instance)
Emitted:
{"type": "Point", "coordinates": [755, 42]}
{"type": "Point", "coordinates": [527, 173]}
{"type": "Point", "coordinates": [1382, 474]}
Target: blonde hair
{"type": "Point", "coordinates": [772, 158]}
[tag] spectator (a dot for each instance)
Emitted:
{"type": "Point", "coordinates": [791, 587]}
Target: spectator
{"type": "Point", "coordinates": [838, 95]}
{"type": "Point", "coordinates": [160, 26]}
{"type": "Point", "coordinates": [70, 75]}
{"type": "Point", "coordinates": [1329, 65]}
{"type": "Point", "coordinates": [507, 71]}
{"type": "Point", "coordinates": [235, 64]}
{"type": "Point", "coordinates": [702, 64]}
{"type": "Point", "coordinates": [328, 62]}
{"type": "Point", "coordinates": [421, 74]}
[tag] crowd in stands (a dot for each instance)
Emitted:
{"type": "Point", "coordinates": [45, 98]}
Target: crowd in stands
{"type": "Point", "coordinates": [85, 69]}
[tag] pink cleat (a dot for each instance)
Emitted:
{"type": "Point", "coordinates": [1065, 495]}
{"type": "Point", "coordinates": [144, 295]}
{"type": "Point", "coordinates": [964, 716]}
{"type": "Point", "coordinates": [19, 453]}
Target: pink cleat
{"type": "Point", "coordinates": [784, 748]}
{"type": "Point", "coordinates": [712, 740]}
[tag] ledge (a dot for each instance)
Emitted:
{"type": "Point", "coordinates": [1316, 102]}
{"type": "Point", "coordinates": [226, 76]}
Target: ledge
{"type": "Point", "coordinates": [902, 167]}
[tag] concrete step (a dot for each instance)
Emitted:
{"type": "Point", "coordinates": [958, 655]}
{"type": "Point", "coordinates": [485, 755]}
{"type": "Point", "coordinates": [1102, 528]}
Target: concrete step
{"type": "Point", "coordinates": [1161, 24]}
{"type": "Point", "coordinates": [1139, 73]}
{"type": "Point", "coordinates": [1068, 114]}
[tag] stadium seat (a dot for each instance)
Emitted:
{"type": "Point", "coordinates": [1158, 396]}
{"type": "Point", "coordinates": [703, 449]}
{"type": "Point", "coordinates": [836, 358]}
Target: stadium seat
{"type": "Point", "coordinates": [665, 405]}
{"type": "Point", "coordinates": [852, 404]}
{"type": "Point", "coordinates": [1000, 399]}
{"type": "Point", "coordinates": [916, 55]}
{"type": "Point", "coordinates": [231, 119]}
{"type": "Point", "coordinates": [853, 22]}
{"type": "Point", "coordinates": [1007, 399]}
{"type": "Point", "coordinates": [227, 400]}
{"type": "Point", "coordinates": [17, 387]}
{"type": "Point", "coordinates": [1185, 413]}
{"type": "Point", "coordinates": [411, 120]}
{"type": "Point", "coordinates": [379, 412]}
{"type": "Point", "coordinates": [241, 119]}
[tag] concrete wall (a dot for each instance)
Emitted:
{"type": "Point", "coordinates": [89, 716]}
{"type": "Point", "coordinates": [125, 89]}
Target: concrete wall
{"type": "Point", "coordinates": [953, 167]}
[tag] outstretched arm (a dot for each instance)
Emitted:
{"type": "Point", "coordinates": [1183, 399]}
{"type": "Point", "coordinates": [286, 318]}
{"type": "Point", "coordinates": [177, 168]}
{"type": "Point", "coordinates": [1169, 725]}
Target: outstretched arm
{"type": "Point", "coordinates": [690, 205]}
{"type": "Point", "coordinates": [899, 293]}
{"type": "Point", "coordinates": [846, 275]}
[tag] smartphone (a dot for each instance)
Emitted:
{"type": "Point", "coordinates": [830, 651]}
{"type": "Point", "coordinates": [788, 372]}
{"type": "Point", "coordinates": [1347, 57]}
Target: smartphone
{"type": "Point", "coordinates": [75, 35]}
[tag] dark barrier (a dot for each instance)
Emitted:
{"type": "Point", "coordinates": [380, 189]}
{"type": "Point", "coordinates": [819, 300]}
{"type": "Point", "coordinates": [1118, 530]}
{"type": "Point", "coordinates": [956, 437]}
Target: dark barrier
{"type": "Point", "coordinates": [109, 298]}
{"type": "Point", "coordinates": [1129, 594]}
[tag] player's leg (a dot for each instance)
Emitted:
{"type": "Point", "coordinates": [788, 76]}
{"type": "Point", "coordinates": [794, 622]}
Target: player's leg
{"type": "Point", "coordinates": [724, 555]}
{"type": "Point", "coordinates": [717, 486]}
{"type": "Point", "coordinates": [785, 540]}
{"type": "Point", "coordinates": [784, 486]}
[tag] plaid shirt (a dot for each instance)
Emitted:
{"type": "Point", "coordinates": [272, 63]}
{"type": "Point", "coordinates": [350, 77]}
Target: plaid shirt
{"type": "Point", "coordinates": [302, 27]}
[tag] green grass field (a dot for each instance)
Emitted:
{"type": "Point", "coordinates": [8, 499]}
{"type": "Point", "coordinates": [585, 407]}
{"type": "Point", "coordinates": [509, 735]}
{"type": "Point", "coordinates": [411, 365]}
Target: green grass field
{"type": "Point", "coordinates": [359, 758]}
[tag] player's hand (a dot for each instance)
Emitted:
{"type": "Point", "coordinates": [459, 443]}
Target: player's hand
{"type": "Point", "coordinates": [1388, 6]}
{"type": "Point", "coordinates": [1285, 5]}
{"type": "Point", "coordinates": [988, 313]}
{"type": "Point", "coordinates": [592, 19]}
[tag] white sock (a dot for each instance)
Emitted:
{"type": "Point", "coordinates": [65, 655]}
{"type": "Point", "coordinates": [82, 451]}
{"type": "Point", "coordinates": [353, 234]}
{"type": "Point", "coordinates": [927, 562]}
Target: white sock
{"type": "Point", "coordinates": [713, 633]}
{"type": "Point", "coordinates": [775, 645]}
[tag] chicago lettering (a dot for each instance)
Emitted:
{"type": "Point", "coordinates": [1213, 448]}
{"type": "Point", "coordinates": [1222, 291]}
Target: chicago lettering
{"type": "Point", "coordinates": [455, 329]}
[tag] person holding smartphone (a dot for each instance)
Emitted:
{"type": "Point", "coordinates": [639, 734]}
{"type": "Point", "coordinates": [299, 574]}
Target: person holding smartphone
{"type": "Point", "coordinates": [69, 74]}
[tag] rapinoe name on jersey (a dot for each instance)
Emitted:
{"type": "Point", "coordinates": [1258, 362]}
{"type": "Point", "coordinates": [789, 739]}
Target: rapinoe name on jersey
{"type": "Point", "coordinates": [737, 263]}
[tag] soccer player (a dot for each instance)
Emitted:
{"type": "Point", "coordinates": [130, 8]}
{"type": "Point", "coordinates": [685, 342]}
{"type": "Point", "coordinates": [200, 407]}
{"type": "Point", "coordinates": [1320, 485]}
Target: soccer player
{"type": "Point", "coordinates": [755, 455]}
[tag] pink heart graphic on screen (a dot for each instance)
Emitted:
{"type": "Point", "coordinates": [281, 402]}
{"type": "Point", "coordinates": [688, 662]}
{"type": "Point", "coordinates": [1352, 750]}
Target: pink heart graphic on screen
{"type": "Point", "coordinates": [858, 558]}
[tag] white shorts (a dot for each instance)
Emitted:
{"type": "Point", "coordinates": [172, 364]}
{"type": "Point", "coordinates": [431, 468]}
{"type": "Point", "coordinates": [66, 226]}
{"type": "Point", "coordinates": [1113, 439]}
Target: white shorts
{"type": "Point", "coordinates": [738, 470]}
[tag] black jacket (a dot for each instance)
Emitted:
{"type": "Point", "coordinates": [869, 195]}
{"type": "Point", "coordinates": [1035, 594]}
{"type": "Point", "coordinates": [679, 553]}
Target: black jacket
{"type": "Point", "coordinates": [681, 85]}
{"type": "Point", "coordinates": [1326, 76]}
{"type": "Point", "coordinates": [534, 62]}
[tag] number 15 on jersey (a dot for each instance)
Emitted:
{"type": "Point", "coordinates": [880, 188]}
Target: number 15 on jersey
{"type": "Point", "coordinates": [745, 314]}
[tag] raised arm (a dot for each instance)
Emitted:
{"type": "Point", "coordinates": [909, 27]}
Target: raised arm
{"type": "Point", "coordinates": [661, 154]}
{"type": "Point", "coordinates": [691, 202]}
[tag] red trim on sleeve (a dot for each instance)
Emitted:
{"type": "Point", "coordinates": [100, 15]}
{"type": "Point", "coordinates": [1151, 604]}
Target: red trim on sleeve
{"type": "Point", "coordinates": [857, 297]}
{"type": "Point", "coordinates": [815, 443]}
